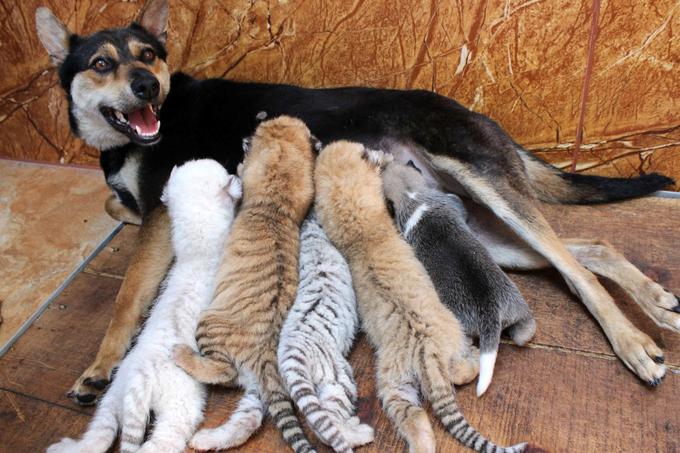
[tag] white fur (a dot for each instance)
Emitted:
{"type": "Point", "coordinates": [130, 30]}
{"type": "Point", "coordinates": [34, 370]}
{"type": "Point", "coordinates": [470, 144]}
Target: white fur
{"type": "Point", "coordinates": [201, 203]}
{"type": "Point", "coordinates": [487, 361]}
{"type": "Point", "coordinates": [414, 219]}
{"type": "Point", "coordinates": [127, 178]}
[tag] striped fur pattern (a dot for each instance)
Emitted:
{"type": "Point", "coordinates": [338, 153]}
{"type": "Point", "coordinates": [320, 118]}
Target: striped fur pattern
{"type": "Point", "coordinates": [467, 280]}
{"type": "Point", "coordinates": [316, 336]}
{"type": "Point", "coordinates": [201, 201]}
{"type": "Point", "coordinates": [419, 344]}
{"type": "Point", "coordinates": [238, 334]}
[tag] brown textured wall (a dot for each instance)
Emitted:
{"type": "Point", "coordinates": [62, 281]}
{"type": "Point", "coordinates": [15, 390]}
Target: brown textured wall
{"type": "Point", "coordinates": [520, 62]}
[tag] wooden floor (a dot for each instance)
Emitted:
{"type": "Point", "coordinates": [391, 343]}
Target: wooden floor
{"type": "Point", "coordinates": [566, 391]}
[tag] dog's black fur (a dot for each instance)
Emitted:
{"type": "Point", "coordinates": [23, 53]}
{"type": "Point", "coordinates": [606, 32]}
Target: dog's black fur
{"type": "Point", "coordinates": [210, 118]}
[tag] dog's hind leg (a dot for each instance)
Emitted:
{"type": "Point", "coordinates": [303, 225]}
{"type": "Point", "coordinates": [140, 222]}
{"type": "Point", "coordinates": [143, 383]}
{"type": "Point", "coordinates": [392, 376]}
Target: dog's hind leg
{"type": "Point", "coordinates": [143, 277]}
{"type": "Point", "coordinates": [511, 252]}
{"type": "Point", "coordinates": [601, 258]}
{"type": "Point", "coordinates": [638, 352]}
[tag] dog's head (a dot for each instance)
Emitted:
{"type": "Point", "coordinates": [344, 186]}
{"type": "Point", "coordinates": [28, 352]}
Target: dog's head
{"type": "Point", "coordinates": [116, 79]}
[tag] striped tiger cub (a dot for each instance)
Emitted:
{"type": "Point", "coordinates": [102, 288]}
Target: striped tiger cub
{"type": "Point", "coordinates": [316, 336]}
{"type": "Point", "coordinates": [238, 334]}
{"type": "Point", "coordinates": [420, 346]}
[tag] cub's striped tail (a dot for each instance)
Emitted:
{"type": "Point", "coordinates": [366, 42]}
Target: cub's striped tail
{"type": "Point", "coordinates": [136, 409]}
{"type": "Point", "coordinates": [303, 392]}
{"type": "Point", "coordinates": [280, 406]}
{"type": "Point", "coordinates": [442, 397]}
{"type": "Point", "coordinates": [446, 409]}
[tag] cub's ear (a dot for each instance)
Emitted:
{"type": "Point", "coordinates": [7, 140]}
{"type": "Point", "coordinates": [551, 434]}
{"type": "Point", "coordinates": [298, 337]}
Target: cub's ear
{"type": "Point", "coordinates": [234, 188]}
{"type": "Point", "coordinates": [412, 165]}
{"type": "Point", "coordinates": [53, 35]}
{"type": "Point", "coordinates": [154, 17]}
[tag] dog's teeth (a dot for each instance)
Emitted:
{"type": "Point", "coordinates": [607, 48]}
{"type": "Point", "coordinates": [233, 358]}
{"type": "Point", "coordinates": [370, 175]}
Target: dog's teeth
{"type": "Point", "coordinates": [121, 117]}
{"type": "Point", "coordinates": [138, 130]}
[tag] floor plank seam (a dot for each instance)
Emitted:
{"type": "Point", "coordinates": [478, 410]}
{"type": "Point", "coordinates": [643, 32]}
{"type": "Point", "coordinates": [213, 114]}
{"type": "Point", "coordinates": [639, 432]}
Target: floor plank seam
{"type": "Point", "coordinates": [41, 309]}
{"type": "Point", "coordinates": [597, 355]}
{"type": "Point", "coordinates": [89, 271]}
{"type": "Point", "coordinates": [49, 403]}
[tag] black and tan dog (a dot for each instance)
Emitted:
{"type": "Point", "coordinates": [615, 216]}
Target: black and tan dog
{"type": "Point", "coordinates": [117, 81]}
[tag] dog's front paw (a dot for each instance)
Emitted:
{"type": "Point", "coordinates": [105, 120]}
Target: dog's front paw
{"type": "Point", "coordinates": [90, 385]}
{"type": "Point", "coordinates": [641, 355]}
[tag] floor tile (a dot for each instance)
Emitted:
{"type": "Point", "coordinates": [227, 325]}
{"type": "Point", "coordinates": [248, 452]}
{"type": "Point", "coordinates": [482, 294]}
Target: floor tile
{"type": "Point", "coordinates": [51, 219]}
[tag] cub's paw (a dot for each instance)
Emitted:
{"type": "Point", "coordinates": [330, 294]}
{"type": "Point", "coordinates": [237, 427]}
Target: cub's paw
{"type": "Point", "coordinates": [465, 369]}
{"type": "Point", "coordinates": [357, 433]}
{"type": "Point", "coordinates": [65, 445]}
{"type": "Point", "coordinates": [90, 385]}
{"type": "Point", "coordinates": [662, 306]}
{"type": "Point", "coordinates": [376, 158]}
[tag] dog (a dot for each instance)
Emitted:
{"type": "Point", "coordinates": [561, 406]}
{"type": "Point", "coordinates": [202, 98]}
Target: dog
{"type": "Point", "coordinates": [120, 91]}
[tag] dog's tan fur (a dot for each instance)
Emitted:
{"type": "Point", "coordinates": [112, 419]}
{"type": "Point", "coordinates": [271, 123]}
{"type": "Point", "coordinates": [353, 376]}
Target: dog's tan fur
{"type": "Point", "coordinates": [420, 345]}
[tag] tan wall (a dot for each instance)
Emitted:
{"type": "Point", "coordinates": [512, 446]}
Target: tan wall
{"type": "Point", "coordinates": [520, 62]}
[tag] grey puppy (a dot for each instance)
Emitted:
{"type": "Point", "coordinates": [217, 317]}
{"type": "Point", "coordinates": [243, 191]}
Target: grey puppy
{"type": "Point", "coordinates": [468, 282]}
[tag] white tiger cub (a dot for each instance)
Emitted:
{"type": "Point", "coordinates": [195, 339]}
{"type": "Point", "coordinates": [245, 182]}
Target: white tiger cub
{"type": "Point", "coordinates": [316, 336]}
{"type": "Point", "coordinates": [201, 199]}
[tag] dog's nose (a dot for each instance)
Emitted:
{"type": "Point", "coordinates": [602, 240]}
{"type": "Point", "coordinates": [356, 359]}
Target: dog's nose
{"type": "Point", "coordinates": [145, 86]}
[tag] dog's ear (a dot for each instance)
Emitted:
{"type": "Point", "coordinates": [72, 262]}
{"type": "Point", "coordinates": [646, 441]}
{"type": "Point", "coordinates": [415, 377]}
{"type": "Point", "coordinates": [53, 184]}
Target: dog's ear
{"type": "Point", "coordinates": [53, 35]}
{"type": "Point", "coordinates": [154, 17]}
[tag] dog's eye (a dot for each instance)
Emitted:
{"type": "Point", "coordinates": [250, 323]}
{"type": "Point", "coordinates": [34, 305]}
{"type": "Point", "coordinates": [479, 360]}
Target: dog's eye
{"type": "Point", "coordinates": [101, 65]}
{"type": "Point", "coordinates": [148, 55]}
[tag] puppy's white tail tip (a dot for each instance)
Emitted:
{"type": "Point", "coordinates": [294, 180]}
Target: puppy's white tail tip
{"type": "Point", "coordinates": [487, 361]}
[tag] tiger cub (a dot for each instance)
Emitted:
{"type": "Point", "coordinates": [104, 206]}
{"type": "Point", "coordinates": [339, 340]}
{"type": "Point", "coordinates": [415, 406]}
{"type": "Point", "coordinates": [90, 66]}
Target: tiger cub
{"type": "Point", "coordinates": [420, 345]}
{"type": "Point", "coordinates": [467, 280]}
{"type": "Point", "coordinates": [316, 336]}
{"type": "Point", "coordinates": [201, 200]}
{"type": "Point", "coordinates": [238, 334]}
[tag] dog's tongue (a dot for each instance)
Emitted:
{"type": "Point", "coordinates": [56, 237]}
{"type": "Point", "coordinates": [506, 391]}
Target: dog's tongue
{"type": "Point", "coordinates": [144, 121]}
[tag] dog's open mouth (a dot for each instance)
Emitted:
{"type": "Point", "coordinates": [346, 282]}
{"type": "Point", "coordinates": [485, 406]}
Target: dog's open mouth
{"type": "Point", "coordinates": [142, 125]}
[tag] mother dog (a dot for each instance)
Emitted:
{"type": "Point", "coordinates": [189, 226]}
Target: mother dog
{"type": "Point", "coordinates": [119, 91]}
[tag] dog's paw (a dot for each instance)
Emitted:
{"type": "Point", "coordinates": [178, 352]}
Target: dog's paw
{"type": "Point", "coordinates": [641, 355]}
{"type": "Point", "coordinates": [90, 385]}
{"type": "Point", "coordinates": [662, 306]}
{"type": "Point", "coordinates": [376, 158]}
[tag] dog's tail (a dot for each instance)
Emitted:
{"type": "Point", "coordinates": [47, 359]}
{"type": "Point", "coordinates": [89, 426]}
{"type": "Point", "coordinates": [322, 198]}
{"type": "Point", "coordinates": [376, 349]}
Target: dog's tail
{"type": "Point", "coordinates": [552, 185]}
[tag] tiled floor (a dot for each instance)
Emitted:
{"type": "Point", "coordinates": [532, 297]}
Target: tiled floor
{"type": "Point", "coordinates": [565, 392]}
{"type": "Point", "coordinates": [51, 219]}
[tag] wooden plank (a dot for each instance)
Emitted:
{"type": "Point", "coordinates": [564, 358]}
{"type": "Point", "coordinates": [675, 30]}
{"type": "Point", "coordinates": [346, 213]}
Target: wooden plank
{"type": "Point", "coordinates": [50, 356]}
{"type": "Point", "coordinates": [30, 425]}
{"type": "Point", "coordinates": [114, 259]}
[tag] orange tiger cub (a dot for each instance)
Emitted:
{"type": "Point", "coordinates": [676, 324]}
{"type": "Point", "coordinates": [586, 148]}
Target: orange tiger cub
{"type": "Point", "coordinates": [238, 334]}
